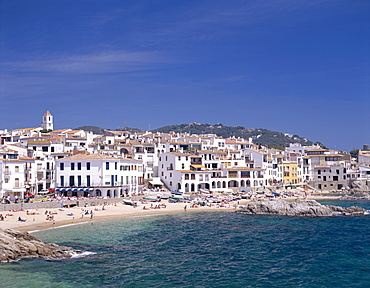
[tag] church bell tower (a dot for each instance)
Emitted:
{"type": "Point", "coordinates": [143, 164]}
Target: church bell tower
{"type": "Point", "coordinates": [47, 121]}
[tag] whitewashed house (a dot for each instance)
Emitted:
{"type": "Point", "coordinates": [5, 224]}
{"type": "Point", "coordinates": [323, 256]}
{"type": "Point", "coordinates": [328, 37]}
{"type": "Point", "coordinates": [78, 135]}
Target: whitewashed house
{"type": "Point", "coordinates": [98, 175]}
{"type": "Point", "coordinates": [12, 175]}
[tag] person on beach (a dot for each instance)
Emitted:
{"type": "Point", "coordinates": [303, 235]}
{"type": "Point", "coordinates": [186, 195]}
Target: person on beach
{"type": "Point", "coordinates": [185, 208]}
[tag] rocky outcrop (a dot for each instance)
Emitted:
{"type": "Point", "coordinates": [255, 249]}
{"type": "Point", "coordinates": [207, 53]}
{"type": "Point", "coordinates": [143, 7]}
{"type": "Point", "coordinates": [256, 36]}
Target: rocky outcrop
{"type": "Point", "coordinates": [308, 208]}
{"type": "Point", "coordinates": [15, 245]}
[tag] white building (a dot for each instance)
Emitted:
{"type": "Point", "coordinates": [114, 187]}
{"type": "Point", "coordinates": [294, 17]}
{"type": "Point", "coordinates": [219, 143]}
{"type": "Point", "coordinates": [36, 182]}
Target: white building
{"type": "Point", "coordinates": [12, 175]}
{"type": "Point", "coordinates": [98, 175]}
{"type": "Point", "coordinates": [47, 121]}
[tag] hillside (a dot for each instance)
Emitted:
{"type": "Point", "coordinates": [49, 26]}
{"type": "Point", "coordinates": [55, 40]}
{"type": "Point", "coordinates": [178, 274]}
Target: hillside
{"type": "Point", "coordinates": [259, 136]}
{"type": "Point", "coordinates": [94, 129]}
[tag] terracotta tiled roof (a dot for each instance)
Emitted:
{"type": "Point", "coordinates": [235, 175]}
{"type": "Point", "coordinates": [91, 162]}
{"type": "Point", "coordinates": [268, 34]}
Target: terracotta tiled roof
{"type": "Point", "coordinates": [83, 156]}
{"type": "Point", "coordinates": [38, 142]}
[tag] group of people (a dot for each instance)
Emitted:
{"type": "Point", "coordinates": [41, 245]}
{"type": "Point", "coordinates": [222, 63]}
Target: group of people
{"type": "Point", "coordinates": [159, 206]}
{"type": "Point", "coordinates": [86, 212]}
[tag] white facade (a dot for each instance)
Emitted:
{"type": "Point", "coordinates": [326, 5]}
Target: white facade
{"type": "Point", "coordinates": [12, 178]}
{"type": "Point", "coordinates": [47, 121]}
{"type": "Point", "coordinates": [104, 175]}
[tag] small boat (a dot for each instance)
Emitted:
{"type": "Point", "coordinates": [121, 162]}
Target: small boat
{"type": "Point", "coordinates": [176, 192]}
{"type": "Point", "coordinates": [128, 202]}
{"type": "Point", "coordinates": [275, 193]}
{"type": "Point", "coordinates": [151, 199]}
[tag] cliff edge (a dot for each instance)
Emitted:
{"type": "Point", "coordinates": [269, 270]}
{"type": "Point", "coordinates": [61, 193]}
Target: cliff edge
{"type": "Point", "coordinates": [308, 208]}
{"type": "Point", "coordinates": [15, 245]}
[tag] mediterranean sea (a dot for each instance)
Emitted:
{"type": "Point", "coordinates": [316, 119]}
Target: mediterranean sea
{"type": "Point", "coordinates": [205, 249]}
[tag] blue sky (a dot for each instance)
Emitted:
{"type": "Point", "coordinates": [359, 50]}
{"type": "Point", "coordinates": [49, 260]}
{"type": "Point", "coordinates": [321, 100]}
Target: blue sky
{"type": "Point", "coordinates": [299, 67]}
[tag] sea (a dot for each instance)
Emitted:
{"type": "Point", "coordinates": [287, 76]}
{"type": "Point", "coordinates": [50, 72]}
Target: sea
{"type": "Point", "coordinates": [205, 249]}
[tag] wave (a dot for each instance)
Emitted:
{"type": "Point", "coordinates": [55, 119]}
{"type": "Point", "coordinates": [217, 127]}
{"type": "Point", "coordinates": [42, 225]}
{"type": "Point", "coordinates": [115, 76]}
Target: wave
{"type": "Point", "coordinates": [83, 254]}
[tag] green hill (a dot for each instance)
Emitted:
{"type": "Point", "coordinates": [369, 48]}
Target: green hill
{"type": "Point", "coordinates": [94, 129]}
{"type": "Point", "coordinates": [259, 136]}
{"type": "Point", "coordinates": [272, 139]}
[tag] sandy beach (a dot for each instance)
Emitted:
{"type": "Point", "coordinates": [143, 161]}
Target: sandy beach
{"type": "Point", "coordinates": [39, 219]}
{"type": "Point", "coordinates": [36, 219]}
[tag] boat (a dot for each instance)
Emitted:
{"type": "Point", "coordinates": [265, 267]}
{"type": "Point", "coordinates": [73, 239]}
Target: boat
{"type": "Point", "coordinates": [128, 202]}
{"type": "Point", "coordinates": [150, 199]}
{"type": "Point", "coordinates": [176, 192]}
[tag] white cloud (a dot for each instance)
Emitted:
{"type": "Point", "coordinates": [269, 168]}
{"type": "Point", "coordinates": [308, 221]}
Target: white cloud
{"type": "Point", "coordinates": [103, 62]}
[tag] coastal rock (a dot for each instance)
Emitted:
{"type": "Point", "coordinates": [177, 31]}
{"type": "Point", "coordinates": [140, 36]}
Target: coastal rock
{"type": "Point", "coordinates": [308, 208]}
{"type": "Point", "coordinates": [15, 245]}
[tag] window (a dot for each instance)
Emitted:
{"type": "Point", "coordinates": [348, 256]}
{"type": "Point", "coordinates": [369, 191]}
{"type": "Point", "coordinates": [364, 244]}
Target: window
{"type": "Point", "coordinates": [88, 180]}
{"type": "Point", "coordinates": [71, 180]}
{"type": "Point", "coordinates": [16, 183]}
{"type": "Point", "coordinates": [88, 166]}
{"type": "Point", "coordinates": [106, 165]}
{"type": "Point", "coordinates": [52, 149]}
{"type": "Point", "coordinates": [179, 158]}
{"type": "Point", "coordinates": [115, 165]}
{"type": "Point", "coordinates": [45, 149]}
{"type": "Point", "coordinates": [61, 180]}
{"type": "Point", "coordinates": [79, 166]}
{"type": "Point", "coordinates": [319, 171]}
{"type": "Point", "coordinates": [192, 176]}
{"type": "Point", "coordinates": [72, 166]}
{"type": "Point", "coordinates": [335, 158]}
{"type": "Point", "coordinates": [79, 180]}
{"type": "Point", "coordinates": [47, 165]}
{"type": "Point", "coordinates": [16, 168]}
{"type": "Point", "coordinates": [61, 166]}
{"type": "Point", "coordinates": [186, 176]}
{"type": "Point", "coordinates": [183, 166]}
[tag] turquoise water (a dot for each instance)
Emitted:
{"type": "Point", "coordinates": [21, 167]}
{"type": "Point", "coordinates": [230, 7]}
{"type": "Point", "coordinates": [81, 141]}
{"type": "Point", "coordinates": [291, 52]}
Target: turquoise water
{"type": "Point", "coordinates": [208, 249]}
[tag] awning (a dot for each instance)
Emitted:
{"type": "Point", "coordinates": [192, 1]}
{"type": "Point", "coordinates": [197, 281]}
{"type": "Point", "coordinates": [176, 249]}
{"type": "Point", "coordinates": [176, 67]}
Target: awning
{"type": "Point", "coordinates": [156, 181]}
{"type": "Point", "coordinates": [75, 189]}
{"type": "Point", "coordinates": [69, 189]}
{"type": "Point", "coordinates": [197, 166]}
{"type": "Point", "coordinates": [58, 189]}
{"type": "Point", "coordinates": [81, 189]}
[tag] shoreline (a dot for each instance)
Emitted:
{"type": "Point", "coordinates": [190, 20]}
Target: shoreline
{"type": "Point", "coordinates": [64, 217]}
{"type": "Point", "coordinates": [36, 218]}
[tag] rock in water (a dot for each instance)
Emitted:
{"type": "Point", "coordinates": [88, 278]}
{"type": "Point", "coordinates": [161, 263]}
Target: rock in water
{"type": "Point", "coordinates": [15, 245]}
{"type": "Point", "coordinates": [308, 208]}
